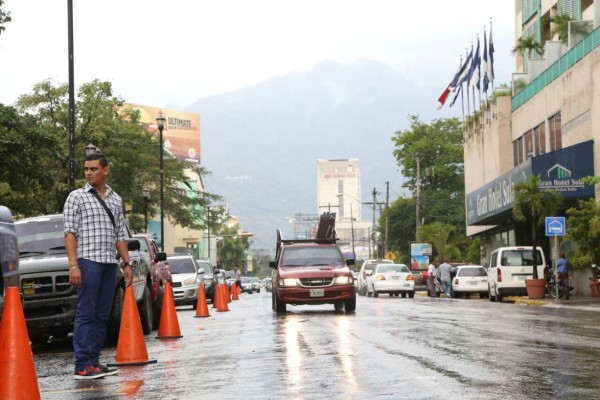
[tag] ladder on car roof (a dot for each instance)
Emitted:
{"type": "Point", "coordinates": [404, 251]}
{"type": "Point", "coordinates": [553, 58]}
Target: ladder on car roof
{"type": "Point", "coordinates": [325, 233]}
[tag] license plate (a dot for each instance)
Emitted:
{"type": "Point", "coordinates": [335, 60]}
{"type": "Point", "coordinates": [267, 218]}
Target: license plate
{"type": "Point", "coordinates": [395, 278]}
{"type": "Point", "coordinates": [406, 284]}
{"type": "Point", "coordinates": [317, 292]}
{"type": "Point", "coordinates": [522, 277]}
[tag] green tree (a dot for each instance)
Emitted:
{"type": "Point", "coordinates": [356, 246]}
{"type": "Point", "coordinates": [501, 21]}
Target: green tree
{"type": "Point", "coordinates": [440, 235]}
{"type": "Point", "coordinates": [584, 228]}
{"type": "Point", "coordinates": [527, 45]}
{"type": "Point", "coordinates": [401, 228]}
{"type": "Point", "coordinates": [4, 17]}
{"type": "Point", "coordinates": [533, 204]}
{"type": "Point", "coordinates": [42, 117]}
{"type": "Point", "coordinates": [438, 147]}
{"type": "Point", "coordinates": [233, 252]}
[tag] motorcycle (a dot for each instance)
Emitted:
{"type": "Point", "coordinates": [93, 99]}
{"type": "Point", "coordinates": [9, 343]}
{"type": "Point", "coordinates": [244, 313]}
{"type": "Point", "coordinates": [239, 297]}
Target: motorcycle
{"type": "Point", "coordinates": [564, 286]}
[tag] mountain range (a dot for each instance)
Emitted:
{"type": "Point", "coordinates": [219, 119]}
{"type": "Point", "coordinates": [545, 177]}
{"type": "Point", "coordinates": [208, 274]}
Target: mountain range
{"type": "Point", "coordinates": [261, 143]}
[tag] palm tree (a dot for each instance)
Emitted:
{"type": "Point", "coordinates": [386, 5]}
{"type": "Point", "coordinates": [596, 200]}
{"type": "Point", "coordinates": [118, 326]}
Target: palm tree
{"type": "Point", "coordinates": [533, 204]}
{"type": "Point", "coordinates": [528, 44]}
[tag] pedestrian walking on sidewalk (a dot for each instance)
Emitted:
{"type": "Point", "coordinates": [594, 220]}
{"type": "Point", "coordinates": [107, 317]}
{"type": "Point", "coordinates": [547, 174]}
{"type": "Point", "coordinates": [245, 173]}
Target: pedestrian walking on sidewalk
{"type": "Point", "coordinates": [445, 272]}
{"type": "Point", "coordinates": [431, 272]}
{"type": "Point", "coordinates": [94, 227]}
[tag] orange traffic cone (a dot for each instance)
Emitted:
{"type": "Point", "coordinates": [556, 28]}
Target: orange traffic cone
{"type": "Point", "coordinates": [201, 307]}
{"type": "Point", "coordinates": [17, 371]}
{"type": "Point", "coordinates": [131, 348]}
{"type": "Point", "coordinates": [217, 296]}
{"type": "Point", "coordinates": [222, 305]}
{"type": "Point", "coordinates": [168, 328]}
{"type": "Point", "coordinates": [234, 292]}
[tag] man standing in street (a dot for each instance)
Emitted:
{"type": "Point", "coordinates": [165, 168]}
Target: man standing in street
{"type": "Point", "coordinates": [92, 232]}
{"type": "Point", "coordinates": [431, 272]}
{"type": "Point", "coordinates": [445, 272]}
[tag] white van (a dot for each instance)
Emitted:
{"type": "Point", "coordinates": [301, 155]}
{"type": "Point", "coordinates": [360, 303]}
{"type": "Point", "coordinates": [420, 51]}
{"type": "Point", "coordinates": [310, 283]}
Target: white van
{"type": "Point", "coordinates": [509, 267]}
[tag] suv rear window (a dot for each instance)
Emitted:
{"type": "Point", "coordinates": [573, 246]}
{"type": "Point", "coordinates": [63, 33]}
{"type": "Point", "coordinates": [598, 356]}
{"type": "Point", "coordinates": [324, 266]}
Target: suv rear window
{"type": "Point", "coordinates": [471, 272]}
{"type": "Point", "coordinates": [182, 266]}
{"type": "Point", "coordinates": [519, 258]}
{"type": "Point", "coordinates": [311, 255]}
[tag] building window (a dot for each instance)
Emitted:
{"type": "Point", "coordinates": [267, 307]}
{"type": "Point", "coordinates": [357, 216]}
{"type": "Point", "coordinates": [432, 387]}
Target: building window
{"type": "Point", "coordinates": [528, 145]}
{"type": "Point", "coordinates": [554, 123]}
{"type": "Point", "coordinates": [518, 154]}
{"type": "Point", "coordinates": [539, 137]}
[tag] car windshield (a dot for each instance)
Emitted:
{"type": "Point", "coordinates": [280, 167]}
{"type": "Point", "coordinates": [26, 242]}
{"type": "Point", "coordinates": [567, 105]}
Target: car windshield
{"type": "Point", "coordinates": [311, 255]}
{"type": "Point", "coordinates": [206, 266]}
{"type": "Point", "coordinates": [519, 258]}
{"type": "Point", "coordinates": [245, 280]}
{"type": "Point", "coordinates": [471, 272]}
{"type": "Point", "coordinates": [182, 266]}
{"type": "Point", "coordinates": [392, 268]}
{"type": "Point", "coordinates": [40, 236]}
{"type": "Point", "coordinates": [370, 265]}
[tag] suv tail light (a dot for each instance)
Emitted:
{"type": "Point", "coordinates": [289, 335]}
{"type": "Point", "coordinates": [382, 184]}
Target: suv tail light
{"type": "Point", "coordinates": [499, 275]}
{"type": "Point", "coordinates": [410, 278]}
{"type": "Point", "coordinates": [456, 281]}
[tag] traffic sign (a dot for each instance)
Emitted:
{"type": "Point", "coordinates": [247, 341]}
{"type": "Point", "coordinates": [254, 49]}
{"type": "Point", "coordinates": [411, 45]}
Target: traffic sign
{"type": "Point", "coordinates": [555, 226]}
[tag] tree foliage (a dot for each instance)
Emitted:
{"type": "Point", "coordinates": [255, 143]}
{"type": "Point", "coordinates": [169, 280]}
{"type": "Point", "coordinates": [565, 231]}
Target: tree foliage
{"type": "Point", "coordinates": [438, 146]}
{"type": "Point", "coordinates": [232, 254]}
{"type": "Point", "coordinates": [533, 204]}
{"type": "Point", "coordinates": [4, 17]}
{"type": "Point", "coordinates": [34, 155]}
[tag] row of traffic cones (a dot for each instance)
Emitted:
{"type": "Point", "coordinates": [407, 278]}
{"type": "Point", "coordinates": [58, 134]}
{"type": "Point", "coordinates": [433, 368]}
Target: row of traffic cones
{"type": "Point", "coordinates": [18, 378]}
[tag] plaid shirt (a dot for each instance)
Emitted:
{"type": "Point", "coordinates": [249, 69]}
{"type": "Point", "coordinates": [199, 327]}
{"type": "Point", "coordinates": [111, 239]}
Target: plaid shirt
{"type": "Point", "coordinates": [86, 218]}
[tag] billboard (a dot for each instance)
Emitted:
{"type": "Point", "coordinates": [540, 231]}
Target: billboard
{"type": "Point", "coordinates": [181, 135]}
{"type": "Point", "coordinates": [420, 255]}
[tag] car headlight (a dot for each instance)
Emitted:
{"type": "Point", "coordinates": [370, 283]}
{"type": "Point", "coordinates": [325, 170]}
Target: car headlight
{"type": "Point", "coordinates": [289, 282]}
{"type": "Point", "coordinates": [189, 282]}
{"type": "Point", "coordinates": [344, 280]}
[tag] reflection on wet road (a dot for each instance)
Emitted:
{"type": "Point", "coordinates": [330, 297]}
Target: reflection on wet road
{"type": "Point", "coordinates": [392, 348]}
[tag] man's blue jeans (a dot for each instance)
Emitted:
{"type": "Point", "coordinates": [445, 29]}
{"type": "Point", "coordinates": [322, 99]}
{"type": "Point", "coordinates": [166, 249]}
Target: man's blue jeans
{"type": "Point", "coordinates": [447, 288]}
{"type": "Point", "coordinates": [94, 303]}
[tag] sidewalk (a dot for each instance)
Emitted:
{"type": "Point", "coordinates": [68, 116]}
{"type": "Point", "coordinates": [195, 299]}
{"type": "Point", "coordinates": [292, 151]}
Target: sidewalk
{"type": "Point", "coordinates": [586, 303]}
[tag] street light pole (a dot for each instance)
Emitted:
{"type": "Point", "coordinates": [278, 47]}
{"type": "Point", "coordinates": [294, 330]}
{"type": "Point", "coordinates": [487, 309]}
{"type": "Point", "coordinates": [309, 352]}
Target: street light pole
{"type": "Point", "coordinates": [352, 229]}
{"type": "Point", "coordinates": [160, 122]}
{"type": "Point", "coordinates": [146, 195]}
{"type": "Point", "coordinates": [71, 97]}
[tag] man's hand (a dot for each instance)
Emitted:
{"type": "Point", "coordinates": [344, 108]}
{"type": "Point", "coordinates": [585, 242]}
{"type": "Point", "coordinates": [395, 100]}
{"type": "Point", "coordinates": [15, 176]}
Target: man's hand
{"type": "Point", "coordinates": [75, 276]}
{"type": "Point", "coordinates": [128, 275]}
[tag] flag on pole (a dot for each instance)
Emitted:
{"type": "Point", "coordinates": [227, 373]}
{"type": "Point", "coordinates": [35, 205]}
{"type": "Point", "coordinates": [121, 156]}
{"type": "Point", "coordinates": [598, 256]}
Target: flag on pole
{"type": "Point", "coordinates": [458, 77]}
{"type": "Point", "coordinates": [484, 64]}
{"type": "Point", "coordinates": [462, 76]}
{"type": "Point", "coordinates": [474, 71]}
{"type": "Point", "coordinates": [490, 70]}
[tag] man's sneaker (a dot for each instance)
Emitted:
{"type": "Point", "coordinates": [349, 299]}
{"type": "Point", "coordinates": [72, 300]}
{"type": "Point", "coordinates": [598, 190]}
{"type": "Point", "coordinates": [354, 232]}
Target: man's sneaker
{"type": "Point", "coordinates": [90, 372]}
{"type": "Point", "coordinates": [107, 370]}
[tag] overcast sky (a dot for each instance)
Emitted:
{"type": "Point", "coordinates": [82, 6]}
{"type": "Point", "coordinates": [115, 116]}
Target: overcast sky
{"type": "Point", "coordinates": [171, 53]}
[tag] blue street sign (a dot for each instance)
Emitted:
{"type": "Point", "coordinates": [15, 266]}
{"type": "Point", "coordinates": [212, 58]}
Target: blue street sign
{"type": "Point", "coordinates": [555, 226]}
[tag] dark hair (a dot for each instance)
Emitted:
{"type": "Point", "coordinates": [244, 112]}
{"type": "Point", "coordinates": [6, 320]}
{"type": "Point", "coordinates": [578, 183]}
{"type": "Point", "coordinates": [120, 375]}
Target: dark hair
{"type": "Point", "coordinates": [98, 156]}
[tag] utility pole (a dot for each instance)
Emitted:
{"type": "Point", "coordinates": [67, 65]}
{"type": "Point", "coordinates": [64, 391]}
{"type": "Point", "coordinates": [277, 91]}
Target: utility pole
{"type": "Point", "coordinates": [387, 217]}
{"type": "Point", "coordinates": [418, 192]}
{"type": "Point", "coordinates": [352, 229]}
{"type": "Point", "coordinates": [373, 235]}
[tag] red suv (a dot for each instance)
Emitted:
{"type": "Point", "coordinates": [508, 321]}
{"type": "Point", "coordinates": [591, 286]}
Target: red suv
{"type": "Point", "coordinates": [312, 271]}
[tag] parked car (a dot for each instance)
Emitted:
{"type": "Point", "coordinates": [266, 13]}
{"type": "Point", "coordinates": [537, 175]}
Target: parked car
{"type": "Point", "coordinates": [311, 272]}
{"type": "Point", "coordinates": [186, 279]}
{"type": "Point", "coordinates": [209, 279]}
{"type": "Point", "coordinates": [247, 285]}
{"type": "Point", "coordinates": [393, 279]}
{"type": "Point", "coordinates": [509, 267]}
{"type": "Point", "coordinates": [159, 273]}
{"type": "Point", "coordinates": [365, 269]}
{"type": "Point", "coordinates": [9, 254]}
{"type": "Point", "coordinates": [49, 299]}
{"type": "Point", "coordinates": [255, 284]}
{"type": "Point", "coordinates": [470, 279]}
{"type": "Point", "coordinates": [268, 285]}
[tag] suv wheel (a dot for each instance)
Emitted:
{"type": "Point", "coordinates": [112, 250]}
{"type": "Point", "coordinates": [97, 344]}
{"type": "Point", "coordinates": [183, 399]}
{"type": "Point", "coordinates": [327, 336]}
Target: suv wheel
{"type": "Point", "coordinates": [145, 311]}
{"type": "Point", "coordinates": [114, 321]}
{"type": "Point", "coordinates": [278, 306]}
{"type": "Point", "coordinates": [376, 293]}
{"type": "Point", "coordinates": [350, 305]}
{"type": "Point", "coordinates": [157, 308]}
{"type": "Point", "coordinates": [338, 305]}
{"type": "Point", "coordinates": [411, 295]}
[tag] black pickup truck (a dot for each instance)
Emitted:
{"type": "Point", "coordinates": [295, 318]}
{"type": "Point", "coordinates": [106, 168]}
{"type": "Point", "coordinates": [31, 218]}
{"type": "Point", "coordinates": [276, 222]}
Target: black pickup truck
{"type": "Point", "coordinates": [49, 299]}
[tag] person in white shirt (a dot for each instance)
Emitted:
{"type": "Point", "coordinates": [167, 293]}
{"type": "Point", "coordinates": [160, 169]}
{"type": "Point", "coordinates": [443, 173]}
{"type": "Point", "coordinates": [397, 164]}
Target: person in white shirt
{"type": "Point", "coordinates": [431, 272]}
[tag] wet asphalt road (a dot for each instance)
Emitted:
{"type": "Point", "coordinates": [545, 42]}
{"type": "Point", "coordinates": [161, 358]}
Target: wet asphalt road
{"type": "Point", "coordinates": [392, 348]}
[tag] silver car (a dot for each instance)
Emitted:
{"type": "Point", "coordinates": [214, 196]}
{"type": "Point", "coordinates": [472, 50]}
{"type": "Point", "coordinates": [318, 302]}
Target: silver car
{"type": "Point", "coordinates": [186, 279]}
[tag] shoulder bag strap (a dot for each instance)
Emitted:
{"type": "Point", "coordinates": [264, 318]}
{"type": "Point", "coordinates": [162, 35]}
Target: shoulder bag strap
{"type": "Point", "coordinates": [110, 214]}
